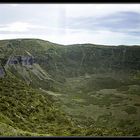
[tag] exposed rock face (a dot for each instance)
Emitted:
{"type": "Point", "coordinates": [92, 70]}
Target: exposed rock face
{"type": "Point", "coordinates": [23, 60]}
{"type": "Point", "coordinates": [2, 72]}
{"type": "Point", "coordinates": [27, 60]}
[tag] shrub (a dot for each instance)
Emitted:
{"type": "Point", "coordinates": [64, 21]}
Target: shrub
{"type": "Point", "coordinates": [131, 110]}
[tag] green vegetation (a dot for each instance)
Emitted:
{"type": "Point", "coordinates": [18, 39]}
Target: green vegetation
{"type": "Point", "coordinates": [131, 110]}
{"type": "Point", "coordinates": [28, 109]}
{"type": "Point", "coordinates": [73, 90]}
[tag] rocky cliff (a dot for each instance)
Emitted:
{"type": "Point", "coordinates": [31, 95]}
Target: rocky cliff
{"type": "Point", "coordinates": [2, 72]}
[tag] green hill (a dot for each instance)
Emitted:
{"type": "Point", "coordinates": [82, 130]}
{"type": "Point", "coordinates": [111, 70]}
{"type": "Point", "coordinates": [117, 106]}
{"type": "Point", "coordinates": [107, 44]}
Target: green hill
{"type": "Point", "coordinates": [49, 89]}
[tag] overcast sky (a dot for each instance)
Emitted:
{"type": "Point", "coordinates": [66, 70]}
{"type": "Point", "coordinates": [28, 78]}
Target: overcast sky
{"type": "Point", "coordinates": [112, 24]}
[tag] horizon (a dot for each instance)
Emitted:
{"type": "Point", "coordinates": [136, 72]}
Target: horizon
{"type": "Point", "coordinates": [65, 44]}
{"type": "Point", "coordinates": [67, 24]}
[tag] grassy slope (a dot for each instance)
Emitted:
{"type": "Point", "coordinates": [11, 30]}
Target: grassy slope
{"type": "Point", "coordinates": [26, 111]}
{"type": "Point", "coordinates": [105, 100]}
{"type": "Point", "coordinates": [29, 112]}
{"type": "Point", "coordinates": [70, 66]}
{"type": "Point", "coordinates": [74, 60]}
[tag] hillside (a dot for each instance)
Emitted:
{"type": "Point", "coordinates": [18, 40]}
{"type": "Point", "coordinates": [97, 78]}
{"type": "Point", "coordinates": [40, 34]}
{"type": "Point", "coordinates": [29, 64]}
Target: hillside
{"type": "Point", "coordinates": [49, 89]}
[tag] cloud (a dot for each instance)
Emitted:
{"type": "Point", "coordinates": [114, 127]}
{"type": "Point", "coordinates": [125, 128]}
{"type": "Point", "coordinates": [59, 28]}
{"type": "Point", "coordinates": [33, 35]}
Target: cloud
{"type": "Point", "coordinates": [15, 27]}
{"type": "Point", "coordinates": [122, 22]}
{"type": "Point", "coordinates": [20, 27]}
{"type": "Point", "coordinates": [72, 23]}
{"type": "Point", "coordinates": [97, 37]}
{"type": "Point", "coordinates": [14, 5]}
{"type": "Point", "coordinates": [99, 10]}
{"type": "Point", "coordinates": [80, 36]}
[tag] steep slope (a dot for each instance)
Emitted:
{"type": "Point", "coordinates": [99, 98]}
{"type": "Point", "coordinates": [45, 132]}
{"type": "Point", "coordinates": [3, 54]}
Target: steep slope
{"type": "Point", "coordinates": [21, 58]}
{"type": "Point", "coordinates": [96, 86]}
{"type": "Point", "coordinates": [72, 60]}
{"type": "Point", "coordinates": [26, 111]}
{"type": "Point", "coordinates": [77, 60]}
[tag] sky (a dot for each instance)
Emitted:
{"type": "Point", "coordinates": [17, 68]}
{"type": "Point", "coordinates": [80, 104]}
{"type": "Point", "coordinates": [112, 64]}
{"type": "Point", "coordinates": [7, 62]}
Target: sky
{"type": "Point", "coordinates": [107, 24]}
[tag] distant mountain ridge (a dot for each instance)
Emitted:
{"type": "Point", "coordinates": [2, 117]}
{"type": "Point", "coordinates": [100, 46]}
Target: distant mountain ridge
{"type": "Point", "coordinates": [51, 60]}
